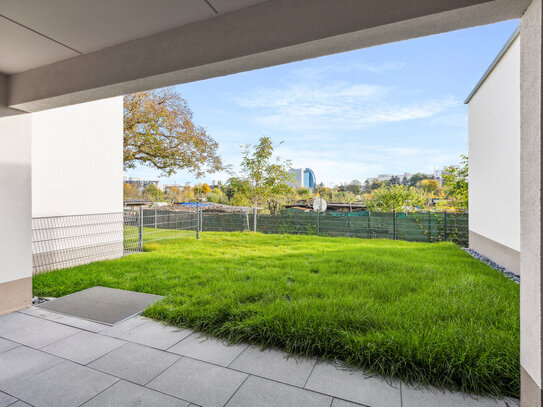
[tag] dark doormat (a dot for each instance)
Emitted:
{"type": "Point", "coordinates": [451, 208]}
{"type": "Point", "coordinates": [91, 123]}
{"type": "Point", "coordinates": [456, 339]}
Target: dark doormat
{"type": "Point", "coordinates": [102, 304]}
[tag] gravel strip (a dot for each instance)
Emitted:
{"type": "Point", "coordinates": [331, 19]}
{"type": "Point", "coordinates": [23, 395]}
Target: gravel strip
{"type": "Point", "coordinates": [38, 300]}
{"type": "Point", "coordinates": [496, 266]}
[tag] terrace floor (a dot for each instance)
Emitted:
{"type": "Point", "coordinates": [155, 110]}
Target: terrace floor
{"type": "Point", "coordinates": [48, 359]}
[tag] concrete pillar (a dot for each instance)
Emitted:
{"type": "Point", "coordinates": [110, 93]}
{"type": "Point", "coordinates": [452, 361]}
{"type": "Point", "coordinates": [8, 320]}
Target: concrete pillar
{"type": "Point", "coordinates": [531, 197]}
{"type": "Point", "coordinates": [15, 213]}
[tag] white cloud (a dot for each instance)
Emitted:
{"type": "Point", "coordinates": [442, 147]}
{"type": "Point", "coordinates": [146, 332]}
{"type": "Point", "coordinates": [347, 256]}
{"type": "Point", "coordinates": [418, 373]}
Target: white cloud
{"type": "Point", "coordinates": [337, 106]}
{"type": "Point", "coordinates": [316, 72]}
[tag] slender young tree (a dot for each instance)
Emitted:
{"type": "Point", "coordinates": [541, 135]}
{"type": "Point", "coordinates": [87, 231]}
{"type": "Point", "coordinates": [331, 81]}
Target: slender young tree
{"type": "Point", "coordinates": [264, 179]}
{"type": "Point", "coordinates": [455, 183]}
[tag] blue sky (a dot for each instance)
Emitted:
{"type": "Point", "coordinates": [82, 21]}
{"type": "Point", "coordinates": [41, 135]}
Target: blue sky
{"type": "Point", "coordinates": [389, 109]}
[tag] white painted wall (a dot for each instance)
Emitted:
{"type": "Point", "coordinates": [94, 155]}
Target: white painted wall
{"type": "Point", "coordinates": [494, 153]}
{"type": "Point", "coordinates": [77, 162]}
{"type": "Point", "coordinates": [77, 169]}
{"type": "Point", "coordinates": [15, 198]}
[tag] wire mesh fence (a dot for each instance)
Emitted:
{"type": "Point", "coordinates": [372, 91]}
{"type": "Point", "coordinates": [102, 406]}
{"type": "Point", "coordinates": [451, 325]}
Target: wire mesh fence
{"type": "Point", "coordinates": [149, 225]}
{"type": "Point", "coordinates": [67, 241]}
{"type": "Point", "coordinates": [416, 226]}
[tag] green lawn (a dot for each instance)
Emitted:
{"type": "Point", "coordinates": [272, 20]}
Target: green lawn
{"type": "Point", "coordinates": [424, 312]}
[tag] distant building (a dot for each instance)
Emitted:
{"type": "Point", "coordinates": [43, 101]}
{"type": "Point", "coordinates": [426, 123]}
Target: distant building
{"type": "Point", "coordinates": [133, 181]}
{"type": "Point", "coordinates": [303, 177]}
{"type": "Point", "coordinates": [168, 187]}
{"type": "Point", "coordinates": [437, 175]}
{"type": "Point", "coordinates": [141, 184]}
{"type": "Point", "coordinates": [384, 177]}
{"type": "Point", "coordinates": [149, 182]}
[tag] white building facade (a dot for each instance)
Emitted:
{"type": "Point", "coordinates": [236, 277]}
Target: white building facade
{"type": "Point", "coordinates": [77, 173]}
{"type": "Point", "coordinates": [494, 160]}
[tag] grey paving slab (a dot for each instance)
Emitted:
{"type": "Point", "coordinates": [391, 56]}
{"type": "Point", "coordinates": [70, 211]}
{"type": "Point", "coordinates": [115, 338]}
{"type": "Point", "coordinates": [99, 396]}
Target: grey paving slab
{"type": "Point", "coordinates": [22, 362]}
{"type": "Point", "coordinates": [261, 392]}
{"type": "Point", "coordinates": [413, 397]}
{"type": "Point", "coordinates": [6, 345]}
{"type": "Point", "coordinates": [64, 385]}
{"type": "Point", "coordinates": [15, 321]}
{"type": "Point", "coordinates": [64, 319]}
{"type": "Point", "coordinates": [83, 347]}
{"type": "Point", "coordinates": [135, 362]}
{"type": "Point", "coordinates": [354, 385]}
{"type": "Point", "coordinates": [20, 403]}
{"type": "Point", "coordinates": [199, 382]}
{"type": "Point", "coordinates": [274, 364]}
{"type": "Point", "coordinates": [155, 334]}
{"type": "Point", "coordinates": [509, 402]}
{"type": "Point", "coordinates": [40, 333]}
{"type": "Point", "coordinates": [6, 399]}
{"type": "Point", "coordinates": [123, 327]}
{"type": "Point", "coordinates": [208, 349]}
{"type": "Point", "coordinates": [102, 304]}
{"type": "Point", "coordinates": [343, 403]}
{"type": "Point", "coordinates": [125, 394]}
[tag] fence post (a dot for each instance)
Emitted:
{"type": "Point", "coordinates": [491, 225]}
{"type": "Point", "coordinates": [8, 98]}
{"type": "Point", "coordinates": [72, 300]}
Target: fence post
{"type": "Point", "coordinates": [156, 209]}
{"type": "Point", "coordinates": [318, 221]}
{"type": "Point", "coordinates": [393, 224]}
{"type": "Point", "coordinates": [429, 226]}
{"type": "Point", "coordinates": [197, 223]}
{"type": "Point", "coordinates": [140, 229]}
{"type": "Point", "coordinates": [445, 225]}
{"type": "Point", "coordinates": [369, 224]}
{"type": "Point", "coordinates": [241, 222]}
{"type": "Point", "coordinates": [201, 219]}
{"type": "Point", "coordinates": [254, 219]}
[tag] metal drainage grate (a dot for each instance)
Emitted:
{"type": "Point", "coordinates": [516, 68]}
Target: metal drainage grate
{"type": "Point", "coordinates": [102, 304]}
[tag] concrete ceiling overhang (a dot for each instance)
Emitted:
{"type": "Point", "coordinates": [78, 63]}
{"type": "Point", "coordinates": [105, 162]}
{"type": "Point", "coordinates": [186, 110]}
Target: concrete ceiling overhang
{"type": "Point", "coordinates": [109, 51]}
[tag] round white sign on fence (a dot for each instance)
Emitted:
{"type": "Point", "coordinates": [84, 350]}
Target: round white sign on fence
{"type": "Point", "coordinates": [319, 204]}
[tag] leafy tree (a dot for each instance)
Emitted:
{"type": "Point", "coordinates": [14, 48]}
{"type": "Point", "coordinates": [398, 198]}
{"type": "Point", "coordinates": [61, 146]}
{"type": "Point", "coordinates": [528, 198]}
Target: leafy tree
{"type": "Point", "coordinates": [152, 193]}
{"type": "Point", "coordinates": [405, 181]}
{"type": "Point", "coordinates": [344, 197]}
{"type": "Point", "coordinates": [202, 189]}
{"type": "Point", "coordinates": [455, 182]}
{"type": "Point", "coordinates": [395, 180]}
{"type": "Point", "coordinates": [187, 193]}
{"type": "Point", "coordinates": [217, 196]}
{"type": "Point", "coordinates": [430, 186]}
{"type": "Point", "coordinates": [376, 184]}
{"type": "Point", "coordinates": [416, 178]}
{"type": "Point", "coordinates": [229, 190]}
{"type": "Point", "coordinates": [264, 180]}
{"type": "Point", "coordinates": [326, 193]}
{"type": "Point", "coordinates": [159, 132]}
{"type": "Point", "coordinates": [395, 198]}
{"type": "Point", "coordinates": [174, 194]}
{"type": "Point", "coordinates": [303, 193]}
{"type": "Point", "coordinates": [355, 187]}
{"type": "Point", "coordinates": [130, 191]}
